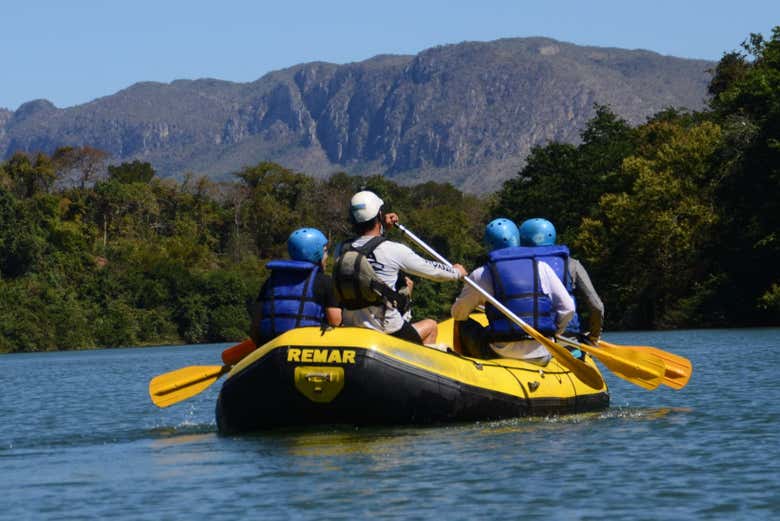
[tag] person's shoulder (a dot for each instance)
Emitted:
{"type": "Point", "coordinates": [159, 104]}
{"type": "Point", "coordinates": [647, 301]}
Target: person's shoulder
{"type": "Point", "coordinates": [479, 272]}
{"type": "Point", "coordinates": [576, 269]}
{"type": "Point", "coordinates": [546, 269]}
{"type": "Point", "coordinates": [391, 243]}
{"type": "Point", "coordinates": [395, 247]}
{"type": "Point", "coordinates": [481, 275]}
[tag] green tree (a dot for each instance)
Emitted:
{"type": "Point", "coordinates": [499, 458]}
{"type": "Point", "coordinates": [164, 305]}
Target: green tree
{"type": "Point", "coordinates": [80, 165]}
{"type": "Point", "coordinates": [275, 206]}
{"type": "Point", "coordinates": [125, 209]}
{"type": "Point", "coordinates": [732, 67]}
{"type": "Point", "coordinates": [134, 172]}
{"type": "Point", "coordinates": [747, 101]}
{"type": "Point", "coordinates": [30, 177]}
{"type": "Point", "coordinates": [22, 242]}
{"type": "Point", "coordinates": [646, 241]}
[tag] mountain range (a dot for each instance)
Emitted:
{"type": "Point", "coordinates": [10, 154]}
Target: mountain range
{"type": "Point", "coordinates": [466, 113]}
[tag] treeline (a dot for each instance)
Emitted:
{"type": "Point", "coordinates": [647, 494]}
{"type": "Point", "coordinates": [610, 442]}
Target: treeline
{"type": "Point", "coordinates": [127, 258]}
{"type": "Point", "coordinates": [676, 220]}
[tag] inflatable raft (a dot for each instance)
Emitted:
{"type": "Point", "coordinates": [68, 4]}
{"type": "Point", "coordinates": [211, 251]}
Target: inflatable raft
{"type": "Point", "coordinates": [358, 376]}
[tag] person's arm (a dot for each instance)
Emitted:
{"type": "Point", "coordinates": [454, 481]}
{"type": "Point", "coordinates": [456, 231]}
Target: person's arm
{"type": "Point", "coordinates": [333, 316]}
{"type": "Point", "coordinates": [586, 294]}
{"type": "Point", "coordinates": [411, 263]}
{"type": "Point", "coordinates": [257, 316]}
{"type": "Point", "coordinates": [469, 297]}
{"type": "Point", "coordinates": [409, 285]}
{"type": "Point", "coordinates": [562, 303]}
{"type": "Point", "coordinates": [390, 220]}
{"type": "Point", "coordinates": [330, 300]}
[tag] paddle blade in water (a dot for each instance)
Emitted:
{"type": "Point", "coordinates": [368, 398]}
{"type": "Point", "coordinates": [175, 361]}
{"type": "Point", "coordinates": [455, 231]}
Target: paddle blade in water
{"type": "Point", "coordinates": [678, 368]}
{"type": "Point", "coordinates": [640, 368]}
{"type": "Point", "coordinates": [643, 369]}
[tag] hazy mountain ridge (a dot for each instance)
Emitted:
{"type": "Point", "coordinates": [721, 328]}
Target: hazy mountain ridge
{"type": "Point", "coordinates": [466, 113]}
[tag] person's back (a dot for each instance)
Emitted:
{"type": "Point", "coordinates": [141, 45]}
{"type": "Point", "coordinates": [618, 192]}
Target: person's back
{"type": "Point", "coordinates": [298, 293]}
{"type": "Point", "coordinates": [540, 234]}
{"type": "Point", "coordinates": [388, 259]}
{"type": "Point", "coordinates": [519, 276]}
{"type": "Point", "coordinates": [522, 283]}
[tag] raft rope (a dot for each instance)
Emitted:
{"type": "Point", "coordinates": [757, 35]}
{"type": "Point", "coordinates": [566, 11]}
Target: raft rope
{"type": "Point", "coordinates": [528, 398]}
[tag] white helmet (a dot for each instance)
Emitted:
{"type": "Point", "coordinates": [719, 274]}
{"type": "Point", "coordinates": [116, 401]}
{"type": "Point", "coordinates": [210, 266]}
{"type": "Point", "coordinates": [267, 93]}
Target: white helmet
{"type": "Point", "coordinates": [364, 206]}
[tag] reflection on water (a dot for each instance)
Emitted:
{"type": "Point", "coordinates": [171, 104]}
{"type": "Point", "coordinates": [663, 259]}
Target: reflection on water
{"type": "Point", "coordinates": [173, 438]}
{"type": "Point", "coordinates": [369, 441]}
{"type": "Point", "coordinates": [341, 443]}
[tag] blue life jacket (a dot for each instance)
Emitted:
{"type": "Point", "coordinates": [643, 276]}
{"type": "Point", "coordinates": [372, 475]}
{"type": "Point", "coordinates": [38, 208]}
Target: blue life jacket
{"type": "Point", "coordinates": [288, 300]}
{"type": "Point", "coordinates": [516, 285]}
{"type": "Point", "coordinates": [557, 257]}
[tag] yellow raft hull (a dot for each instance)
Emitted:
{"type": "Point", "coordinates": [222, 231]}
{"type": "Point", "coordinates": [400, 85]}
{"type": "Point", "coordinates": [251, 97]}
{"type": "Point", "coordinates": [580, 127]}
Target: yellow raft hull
{"type": "Point", "coordinates": [359, 376]}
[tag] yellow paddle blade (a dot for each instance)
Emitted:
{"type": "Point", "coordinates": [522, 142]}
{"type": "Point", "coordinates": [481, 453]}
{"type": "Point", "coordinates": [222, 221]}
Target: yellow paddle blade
{"type": "Point", "coordinates": [678, 368]}
{"type": "Point", "coordinates": [643, 369]}
{"type": "Point", "coordinates": [175, 386]}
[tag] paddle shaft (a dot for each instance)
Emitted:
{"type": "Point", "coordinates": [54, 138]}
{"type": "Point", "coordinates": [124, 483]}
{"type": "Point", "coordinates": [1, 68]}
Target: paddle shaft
{"type": "Point", "coordinates": [584, 372]}
{"type": "Point", "coordinates": [490, 298]}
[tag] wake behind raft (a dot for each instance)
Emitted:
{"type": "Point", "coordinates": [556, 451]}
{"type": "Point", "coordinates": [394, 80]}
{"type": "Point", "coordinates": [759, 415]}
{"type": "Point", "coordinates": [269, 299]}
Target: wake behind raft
{"type": "Point", "coordinates": [359, 376]}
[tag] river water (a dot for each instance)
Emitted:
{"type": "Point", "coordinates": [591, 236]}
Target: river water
{"type": "Point", "coordinates": [79, 439]}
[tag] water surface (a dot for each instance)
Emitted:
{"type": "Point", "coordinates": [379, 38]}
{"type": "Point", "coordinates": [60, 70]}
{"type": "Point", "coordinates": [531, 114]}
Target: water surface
{"type": "Point", "coordinates": [79, 439]}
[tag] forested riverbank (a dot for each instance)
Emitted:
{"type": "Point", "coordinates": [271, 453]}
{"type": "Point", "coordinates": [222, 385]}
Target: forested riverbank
{"type": "Point", "coordinates": [676, 220]}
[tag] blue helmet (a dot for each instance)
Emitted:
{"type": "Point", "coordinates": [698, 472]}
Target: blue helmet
{"type": "Point", "coordinates": [537, 232]}
{"type": "Point", "coordinates": [501, 233]}
{"type": "Point", "coordinates": [306, 244]}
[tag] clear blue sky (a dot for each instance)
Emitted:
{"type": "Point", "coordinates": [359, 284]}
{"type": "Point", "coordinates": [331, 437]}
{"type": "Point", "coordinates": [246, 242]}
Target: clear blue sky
{"type": "Point", "coordinates": [73, 51]}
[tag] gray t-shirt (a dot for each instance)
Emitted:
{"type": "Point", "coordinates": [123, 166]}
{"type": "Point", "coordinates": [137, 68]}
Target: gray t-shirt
{"type": "Point", "coordinates": [586, 294]}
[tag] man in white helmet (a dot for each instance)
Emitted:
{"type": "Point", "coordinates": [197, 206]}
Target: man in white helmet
{"type": "Point", "coordinates": [387, 258]}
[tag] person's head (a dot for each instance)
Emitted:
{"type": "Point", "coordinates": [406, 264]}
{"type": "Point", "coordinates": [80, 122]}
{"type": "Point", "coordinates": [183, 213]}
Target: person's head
{"type": "Point", "coordinates": [307, 244]}
{"type": "Point", "coordinates": [501, 233]}
{"type": "Point", "coordinates": [365, 210]}
{"type": "Point", "coordinates": [537, 232]}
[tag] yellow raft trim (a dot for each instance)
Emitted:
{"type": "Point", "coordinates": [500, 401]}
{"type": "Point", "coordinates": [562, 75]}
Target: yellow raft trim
{"type": "Point", "coordinates": [508, 376]}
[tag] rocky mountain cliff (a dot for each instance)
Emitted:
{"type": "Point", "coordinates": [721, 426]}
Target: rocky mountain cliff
{"type": "Point", "coordinates": [466, 113]}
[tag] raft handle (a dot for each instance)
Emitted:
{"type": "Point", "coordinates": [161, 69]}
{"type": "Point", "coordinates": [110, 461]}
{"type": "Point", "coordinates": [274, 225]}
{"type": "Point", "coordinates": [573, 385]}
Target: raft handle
{"type": "Point", "coordinates": [319, 377]}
